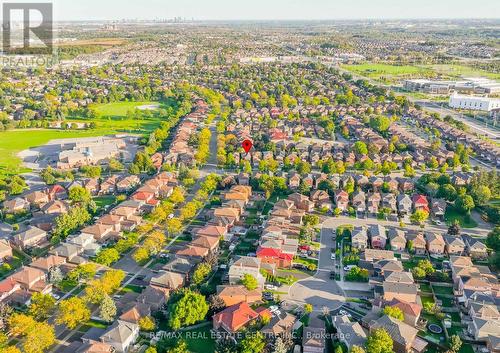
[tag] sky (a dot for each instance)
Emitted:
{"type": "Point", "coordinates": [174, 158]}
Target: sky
{"type": "Point", "coordinates": [273, 9]}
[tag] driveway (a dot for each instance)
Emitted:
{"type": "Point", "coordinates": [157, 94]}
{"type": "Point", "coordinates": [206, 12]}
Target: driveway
{"type": "Point", "coordinates": [319, 291]}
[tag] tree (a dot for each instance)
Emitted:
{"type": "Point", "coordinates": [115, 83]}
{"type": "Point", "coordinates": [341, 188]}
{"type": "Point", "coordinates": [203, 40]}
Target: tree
{"type": "Point", "coordinates": [249, 281]}
{"type": "Point", "coordinates": [177, 196]}
{"type": "Point", "coordinates": [252, 343]}
{"type": "Point", "coordinates": [419, 216]}
{"type": "Point", "coordinates": [308, 308]}
{"type": "Point", "coordinates": [107, 256]}
{"type": "Point", "coordinates": [380, 123]}
{"type": "Point", "coordinates": [216, 303]}
{"type": "Point", "coordinates": [147, 323]}
{"type": "Point", "coordinates": [280, 346]}
{"type": "Point", "coordinates": [83, 272]}
{"type": "Point", "coordinates": [360, 148]}
{"type": "Point", "coordinates": [180, 347]}
{"type": "Point", "coordinates": [38, 335]}
{"type": "Point", "coordinates": [41, 306]}
{"type": "Point", "coordinates": [455, 343]}
{"type": "Point", "coordinates": [72, 312]}
{"type": "Point", "coordinates": [79, 194]}
{"type": "Point", "coordinates": [151, 350]}
{"type": "Point", "coordinates": [379, 341]}
{"type": "Point", "coordinates": [188, 310]}
{"type": "Point", "coordinates": [427, 266]}
{"type": "Point", "coordinates": [493, 239]}
{"type": "Point", "coordinates": [201, 272]}
{"type": "Point", "coordinates": [357, 349]}
{"type": "Point", "coordinates": [418, 273]}
{"type": "Point", "coordinates": [339, 349]}
{"type": "Point", "coordinates": [481, 195]}
{"type": "Point", "coordinates": [140, 255]}
{"type": "Point", "coordinates": [5, 312]}
{"type": "Point", "coordinates": [454, 229]}
{"type": "Point", "coordinates": [394, 312]}
{"type": "Point", "coordinates": [464, 203]}
{"type": "Point", "coordinates": [107, 309]}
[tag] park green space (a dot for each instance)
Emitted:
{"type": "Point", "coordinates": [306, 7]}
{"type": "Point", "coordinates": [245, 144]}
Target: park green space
{"type": "Point", "coordinates": [386, 72]}
{"type": "Point", "coordinates": [111, 119]}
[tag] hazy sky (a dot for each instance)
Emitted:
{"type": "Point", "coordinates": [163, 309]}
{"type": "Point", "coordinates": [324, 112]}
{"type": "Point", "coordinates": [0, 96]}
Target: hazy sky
{"type": "Point", "coordinates": [274, 9]}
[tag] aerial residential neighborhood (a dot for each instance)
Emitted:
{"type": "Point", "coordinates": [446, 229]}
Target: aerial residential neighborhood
{"type": "Point", "coordinates": [230, 179]}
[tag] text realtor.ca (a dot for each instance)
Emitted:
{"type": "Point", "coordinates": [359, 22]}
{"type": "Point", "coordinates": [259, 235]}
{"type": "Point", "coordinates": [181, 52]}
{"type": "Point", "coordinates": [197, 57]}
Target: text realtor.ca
{"type": "Point", "coordinates": [216, 335]}
{"type": "Point", "coordinates": [27, 34]}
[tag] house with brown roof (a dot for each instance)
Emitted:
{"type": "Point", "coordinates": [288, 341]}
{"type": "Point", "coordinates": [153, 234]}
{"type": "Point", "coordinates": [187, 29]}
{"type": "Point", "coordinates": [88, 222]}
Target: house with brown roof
{"type": "Point", "coordinates": [5, 250]}
{"type": "Point", "coordinates": [210, 243]}
{"type": "Point", "coordinates": [418, 242]}
{"type": "Point", "coordinates": [37, 198]}
{"type": "Point", "coordinates": [55, 207]}
{"type": "Point", "coordinates": [212, 231]}
{"type": "Point", "coordinates": [279, 326]}
{"type": "Point", "coordinates": [404, 336]}
{"type": "Point", "coordinates": [397, 239]}
{"type": "Point", "coordinates": [407, 292]}
{"type": "Point", "coordinates": [475, 248]}
{"type": "Point", "coordinates": [435, 243]}
{"type": "Point", "coordinates": [101, 232]}
{"type": "Point", "coordinates": [234, 294]}
{"type": "Point", "coordinates": [16, 205]}
{"type": "Point", "coordinates": [29, 238]}
{"type": "Point", "coordinates": [246, 265]}
{"type": "Point", "coordinates": [128, 183]}
{"type": "Point", "coordinates": [135, 312]}
{"type": "Point", "coordinates": [454, 245]}
{"type": "Point", "coordinates": [313, 337]}
{"type": "Point", "coordinates": [32, 279]}
{"type": "Point", "coordinates": [48, 262]}
{"type": "Point", "coordinates": [169, 280]}
{"type": "Point", "coordinates": [8, 287]}
{"type": "Point", "coordinates": [411, 311]}
{"type": "Point", "coordinates": [193, 251]}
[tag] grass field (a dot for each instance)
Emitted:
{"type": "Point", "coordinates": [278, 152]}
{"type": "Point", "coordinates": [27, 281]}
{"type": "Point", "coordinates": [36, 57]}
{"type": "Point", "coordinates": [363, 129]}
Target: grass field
{"type": "Point", "coordinates": [465, 221]}
{"type": "Point", "coordinates": [386, 72]}
{"type": "Point", "coordinates": [455, 70]}
{"type": "Point", "coordinates": [111, 120]}
{"type": "Point", "coordinates": [113, 116]}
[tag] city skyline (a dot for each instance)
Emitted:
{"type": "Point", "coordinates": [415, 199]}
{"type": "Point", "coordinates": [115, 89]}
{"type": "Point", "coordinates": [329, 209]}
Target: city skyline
{"type": "Point", "coordinates": [224, 10]}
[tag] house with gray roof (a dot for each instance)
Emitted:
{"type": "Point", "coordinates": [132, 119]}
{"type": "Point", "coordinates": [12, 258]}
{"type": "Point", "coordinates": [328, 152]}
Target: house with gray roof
{"type": "Point", "coordinates": [121, 335]}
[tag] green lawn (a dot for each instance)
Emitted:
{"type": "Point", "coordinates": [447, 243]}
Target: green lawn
{"type": "Point", "coordinates": [461, 71]}
{"type": "Point", "coordinates": [385, 71]}
{"type": "Point", "coordinates": [442, 290]}
{"type": "Point", "coordinates": [426, 288]}
{"type": "Point", "coordinates": [14, 263]}
{"type": "Point", "coordinates": [465, 221]}
{"type": "Point", "coordinates": [102, 201]}
{"type": "Point", "coordinates": [114, 116]}
{"type": "Point", "coordinates": [426, 299]}
{"type": "Point", "coordinates": [132, 288]}
{"type": "Point", "coordinates": [111, 120]}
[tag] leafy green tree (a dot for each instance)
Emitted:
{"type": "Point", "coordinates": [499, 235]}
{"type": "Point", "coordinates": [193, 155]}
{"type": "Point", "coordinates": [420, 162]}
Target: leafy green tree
{"type": "Point", "coordinates": [42, 306]}
{"type": "Point", "coordinates": [464, 203]}
{"type": "Point", "coordinates": [481, 195]}
{"type": "Point", "coordinates": [394, 312]}
{"type": "Point", "coordinates": [360, 148]}
{"type": "Point", "coordinates": [201, 273]}
{"type": "Point", "coordinates": [380, 123]}
{"type": "Point", "coordinates": [188, 310]}
{"type": "Point", "coordinates": [357, 349]}
{"type": "Point", "coordinates": [107, 256]}
{"type": "Point", "coordinates": [72, 312]}
{"type": "Point", "coordinates": [379, 341]}
{"type": "Point", "coordinates": [249, 281]}
{"type": "Point", "coordinates": [79, 194]}
{"type": "Point", "coordinates": [147, 323]}
{"type": "Point", "coordinates": [308, 308]}
{"type": "Point", "coordinates": [253, 343]}
{"type": "Point", "coordinates": [493, 239]}
{"type": "Point", "coordinates": [455, 343]}
{"type": "Point", "coordinates": [419, 216]}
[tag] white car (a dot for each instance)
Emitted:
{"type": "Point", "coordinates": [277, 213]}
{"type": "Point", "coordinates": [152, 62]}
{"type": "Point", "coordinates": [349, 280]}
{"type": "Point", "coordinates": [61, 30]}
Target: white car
{"type": "Point", "coordinates": [349, 267]}
{"type": "Point", "coordinates": [332, 256]}
{"type": "Point", "coordinates": [56, 296]}
{"type": "Point", "coordinates": [270, 287]}
{"type": "Point", "coordinates": [273, 308]}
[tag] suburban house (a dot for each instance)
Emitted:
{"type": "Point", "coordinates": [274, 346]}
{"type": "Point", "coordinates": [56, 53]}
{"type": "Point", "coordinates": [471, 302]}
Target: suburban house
{"type": "Point", "coordinates": [411, 311]}
{"type": "Point", "coordinates": [5, 250]}
{"type": "Point", "coordinates": [342, 200]}
{"type": "Point", "coordinates": [475, 248]}
{"type": "Point", "coordinates": [101, 232]}
{"type": "Point", "coordinates": [279, 325]}
{"type": "Point", "coordinates": [416, 242]}
{"type": "Point", "coordinates": [403, 335]}
{"type": "Point", "coordinates": [275, 256]}
{"type": "Point", "coordinates": [47, 263]}
{"type": "Point", "coordinates": [29, 238]}
{"type": "Point", "coordinates": [420, 202]}
{"type": "Point", "coordinates": [121, 335]}
{"type": "Point", "coordinates": [168, 280]}
{"type": "Point", "coordinates": [16, 205]}
{"type": "Point", "coordinates": [404, 204]}
{"type": "Point", "coordinates": [359, 238]}
{"type": "Point", "coordinates": [234, 294]}
{"type": "Point", "coordinates": [350, 333]}
{"type": "Point", "coordinates": [435, 243]}
{"type": "Point", "coordinates": [378, 236]}
{"type": "Point", "coordinates": [407, 292]}
{"type": "Point", "coordinates": [246, 265]}
{"type": "Point", "coordinates": [234, 317]}
{"type": "Point", "coordinates": [32, 280]}
{"type": "Point", "coordinates": [313, 337]}
{"type": "Point", "coordinates": [397, 239]}
{"type": "Point", "coordinates": [454, 245]}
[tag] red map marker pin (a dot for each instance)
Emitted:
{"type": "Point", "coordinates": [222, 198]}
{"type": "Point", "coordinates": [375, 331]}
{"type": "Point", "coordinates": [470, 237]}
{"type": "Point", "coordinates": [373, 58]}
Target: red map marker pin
{"type": "Point", "coordinates": [247, 145]}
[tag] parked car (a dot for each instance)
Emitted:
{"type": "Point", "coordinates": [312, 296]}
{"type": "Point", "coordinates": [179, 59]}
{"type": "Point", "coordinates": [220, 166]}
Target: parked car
{"type": "Point", "coordinates": [349, 267]}
{"type": "Point", "coordinates": [332, 256]}
{"type": "Point", "coordinates": [268, 296]}
{"type": "Point", "coordinates": [270, 287]}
